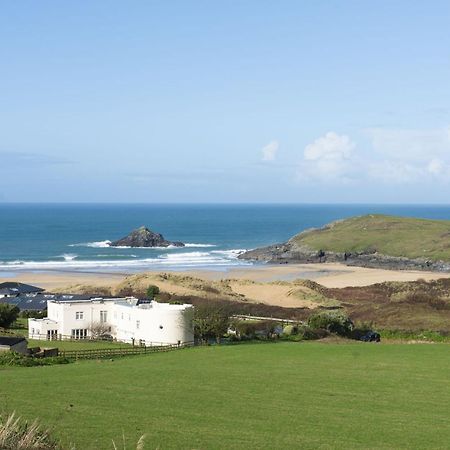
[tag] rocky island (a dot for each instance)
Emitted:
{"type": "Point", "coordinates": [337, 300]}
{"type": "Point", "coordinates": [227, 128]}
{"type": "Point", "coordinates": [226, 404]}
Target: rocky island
{"type": "Point", "coordinates": [374, 240]}
{"type": "Point", "coordinates": [143, 237]}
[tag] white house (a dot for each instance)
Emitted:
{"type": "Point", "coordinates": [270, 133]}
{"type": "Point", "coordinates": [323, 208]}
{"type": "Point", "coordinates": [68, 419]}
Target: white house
{"type": "Point", "coordinates": [124, 319]}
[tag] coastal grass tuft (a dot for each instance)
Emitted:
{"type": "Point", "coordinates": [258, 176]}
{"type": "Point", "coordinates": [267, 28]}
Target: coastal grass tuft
{"type": "Point", "coordinates": [281, 395]}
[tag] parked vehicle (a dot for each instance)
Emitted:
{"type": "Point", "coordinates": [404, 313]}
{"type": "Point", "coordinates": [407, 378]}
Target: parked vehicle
{"type": "Point", "coordinates": [371, 336]}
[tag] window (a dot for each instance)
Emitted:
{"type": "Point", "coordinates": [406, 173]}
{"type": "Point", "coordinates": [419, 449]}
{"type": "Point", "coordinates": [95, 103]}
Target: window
{"type": "Point", "coordinates": [79, 315]}
{"type": "Point", "coordinates": [138, 324]}
{"type": "Point", "coordinates": [52, 334]}
{"type": "Point", "coordinates": [79, 333]}
{"type": "Point", "coordinates": [103, 316]}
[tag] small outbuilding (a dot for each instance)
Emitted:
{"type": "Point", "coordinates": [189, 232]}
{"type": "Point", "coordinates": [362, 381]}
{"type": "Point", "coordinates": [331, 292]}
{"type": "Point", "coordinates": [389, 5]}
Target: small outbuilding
{"type": "Point", "coordinates": [13, 343]}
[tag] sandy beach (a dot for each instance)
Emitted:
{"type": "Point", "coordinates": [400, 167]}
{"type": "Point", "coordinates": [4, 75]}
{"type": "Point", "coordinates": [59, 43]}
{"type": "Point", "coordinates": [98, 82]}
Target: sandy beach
{"type": "Point", "coordinates": [329, 275]}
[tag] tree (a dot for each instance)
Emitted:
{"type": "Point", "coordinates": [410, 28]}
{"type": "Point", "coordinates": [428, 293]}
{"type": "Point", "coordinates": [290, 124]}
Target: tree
{"type": "Point", "coordinates": [211, 321]}
{"type": "Point", "coordinates": [8, 315]}
{"type": "Point", "coordinates": [100, 330]}
{"type": "Point", "coordinates": [152, 291]}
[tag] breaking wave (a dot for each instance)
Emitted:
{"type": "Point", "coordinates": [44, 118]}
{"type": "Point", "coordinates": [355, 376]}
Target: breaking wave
{"type": "Point", "coordinates": [99, 244]}
{"type": "Point", "coordinates": [107, 244]}
{"type": "Point", "coordinates": [181, 260]}
{"type": "Point", "coordinates": [68, 256]}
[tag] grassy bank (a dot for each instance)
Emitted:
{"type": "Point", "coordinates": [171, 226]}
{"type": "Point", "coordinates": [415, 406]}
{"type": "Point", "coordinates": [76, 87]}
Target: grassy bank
{"type": "Point", "coordinates": [280, 395]}
{"type": "Point", "coordinates": [389, 235]}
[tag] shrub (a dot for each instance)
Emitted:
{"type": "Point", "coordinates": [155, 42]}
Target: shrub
{"type": "Point", "coordinates": [17, 359]}
{"type": "Point", "coordinates": [262, 329]}
{"type": "Point", "coordinates": [307, 333]}
{"type": "Point", "coordinates": [152, 291]}
{"type": "Point", "coordinates": [332, 321]}
{"type": "Point", "coordinates": [290, 330]}
{"type": "Point", "coordinates": [8, 315]}
{"type": "Point", "coordinates": [211, 320]}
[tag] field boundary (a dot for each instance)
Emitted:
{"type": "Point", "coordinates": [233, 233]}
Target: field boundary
{"type": "Point", "coordinates": [118, 352]}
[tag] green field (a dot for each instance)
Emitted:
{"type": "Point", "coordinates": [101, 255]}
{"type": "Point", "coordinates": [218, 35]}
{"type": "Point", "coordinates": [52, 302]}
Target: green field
{"type": "Point", "coordinates": [281, 395]}
{"type": "Point", "coordinates": [389, 235]}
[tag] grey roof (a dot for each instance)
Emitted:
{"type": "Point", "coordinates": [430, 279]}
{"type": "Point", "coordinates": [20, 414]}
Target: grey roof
{"type": "Point", "coordinates": [14, 288]}
{"type": "Point", "coordinates": [11, 340]}
{"type": "Point", "coordinates": [38, 301]}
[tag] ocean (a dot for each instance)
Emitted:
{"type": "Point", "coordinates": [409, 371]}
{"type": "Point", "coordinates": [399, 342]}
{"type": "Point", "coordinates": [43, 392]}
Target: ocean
{"type": "Point", "coordinates": [74, 237]}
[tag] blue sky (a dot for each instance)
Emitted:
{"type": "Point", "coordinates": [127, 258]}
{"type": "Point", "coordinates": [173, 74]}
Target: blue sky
{"type": "Point", "coordinates": [232, 101]}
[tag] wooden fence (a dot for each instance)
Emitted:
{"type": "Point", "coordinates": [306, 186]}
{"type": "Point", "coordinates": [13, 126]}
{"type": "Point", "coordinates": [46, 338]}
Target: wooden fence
{"type": "Point", "coordinates": [117, 352]}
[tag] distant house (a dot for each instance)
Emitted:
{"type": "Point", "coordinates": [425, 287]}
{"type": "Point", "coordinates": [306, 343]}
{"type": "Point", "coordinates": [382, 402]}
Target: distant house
{"type": "Point", "coordinates": [13, 343]}
{"type": "Point", "coordinates": [124, 319]}
{"type": "Point", "coordinates": [13, 289]}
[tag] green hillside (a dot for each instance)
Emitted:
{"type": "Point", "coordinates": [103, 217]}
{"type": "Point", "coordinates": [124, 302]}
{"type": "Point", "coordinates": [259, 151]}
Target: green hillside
{"type": "Point", "coordinates": [282, 395]}
{"type": "Point", "coordinates": [389, 235]}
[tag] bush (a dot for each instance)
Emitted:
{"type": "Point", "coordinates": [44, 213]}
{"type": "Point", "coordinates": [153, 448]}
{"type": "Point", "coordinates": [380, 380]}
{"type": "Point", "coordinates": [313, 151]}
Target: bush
{"type": "Point", "coordinates": [307, 333]}
{"type": "Point", "coordinates": [17, 359]}
{"type": "Point", "coordinates": [152, 291]}
{"type": "Point", "coordinates": [290, 330]}
{"type": "Point", "coordinates": [8, 315]}
{"type": "Point", "coordinates": [262, 329]}
{"type": "Point", "coordinates": [210, 321]}
{"type": "Point", "coordinates": [332, 321]}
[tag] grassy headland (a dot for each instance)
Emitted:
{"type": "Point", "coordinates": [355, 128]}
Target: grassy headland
{"type": "Point", "coordinates": [388, 235]}
{"type": "Point", "coordinates": [376, 241]}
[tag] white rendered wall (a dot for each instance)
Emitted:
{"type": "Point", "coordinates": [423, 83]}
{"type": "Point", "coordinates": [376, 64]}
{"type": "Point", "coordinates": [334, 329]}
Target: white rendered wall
{"type": "Point", "coordinates": [150, 324]}
{"type": "Point", "coordinates": [37, 328]}
{"type": "Point", "coordinates": [159, 323]}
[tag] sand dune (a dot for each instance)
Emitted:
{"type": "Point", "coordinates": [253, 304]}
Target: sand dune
{"type": "Point", "coordinates": [270, 284]}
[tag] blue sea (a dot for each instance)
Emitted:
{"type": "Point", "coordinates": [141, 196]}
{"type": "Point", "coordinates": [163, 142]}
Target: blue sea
{"type": "Point", "coordinates": [74, 237]}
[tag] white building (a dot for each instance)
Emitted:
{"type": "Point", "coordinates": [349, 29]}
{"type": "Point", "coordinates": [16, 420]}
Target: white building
{"type": "Point", "coordinates": [124, 319]}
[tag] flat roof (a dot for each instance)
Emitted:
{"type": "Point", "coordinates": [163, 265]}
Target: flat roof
{"type": "Point", "coordinates": [11, 340]}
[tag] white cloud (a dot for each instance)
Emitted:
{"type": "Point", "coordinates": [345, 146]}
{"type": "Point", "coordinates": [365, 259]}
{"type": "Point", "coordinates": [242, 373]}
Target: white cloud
{"type": "Point", "coordinates": [436, 166]}
{"type": "Point", "coordinates": [410, 155]}
{"type": "Point", "coordinates": [269, 152]}
{"type": "Point", "coordinates": [410, 144]}
{"type": "Point", "coordinates": [398, 156]}
{"type": "Point", "coordinates": [394, 172]}
{"type": "Point", "coordinates": [328, 158]}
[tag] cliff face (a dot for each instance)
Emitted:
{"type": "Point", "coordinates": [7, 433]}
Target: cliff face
{"type": "Point", "coordinates": [366, 242]}
{"type": "Point", "coordinates": [143, 237]}
{"type": "Point", "coordinates": [287, 253]}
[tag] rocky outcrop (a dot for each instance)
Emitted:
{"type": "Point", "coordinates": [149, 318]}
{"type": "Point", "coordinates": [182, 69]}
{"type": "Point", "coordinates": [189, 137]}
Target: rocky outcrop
{"type": "Point", "coordinates": [290, 252]}
{"type": "Point", "coordinates": [143, 237]}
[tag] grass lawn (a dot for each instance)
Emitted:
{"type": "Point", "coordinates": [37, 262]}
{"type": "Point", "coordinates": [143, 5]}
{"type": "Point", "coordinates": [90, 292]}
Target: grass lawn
{"type": "Point", "coordinates": [281, 395]}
